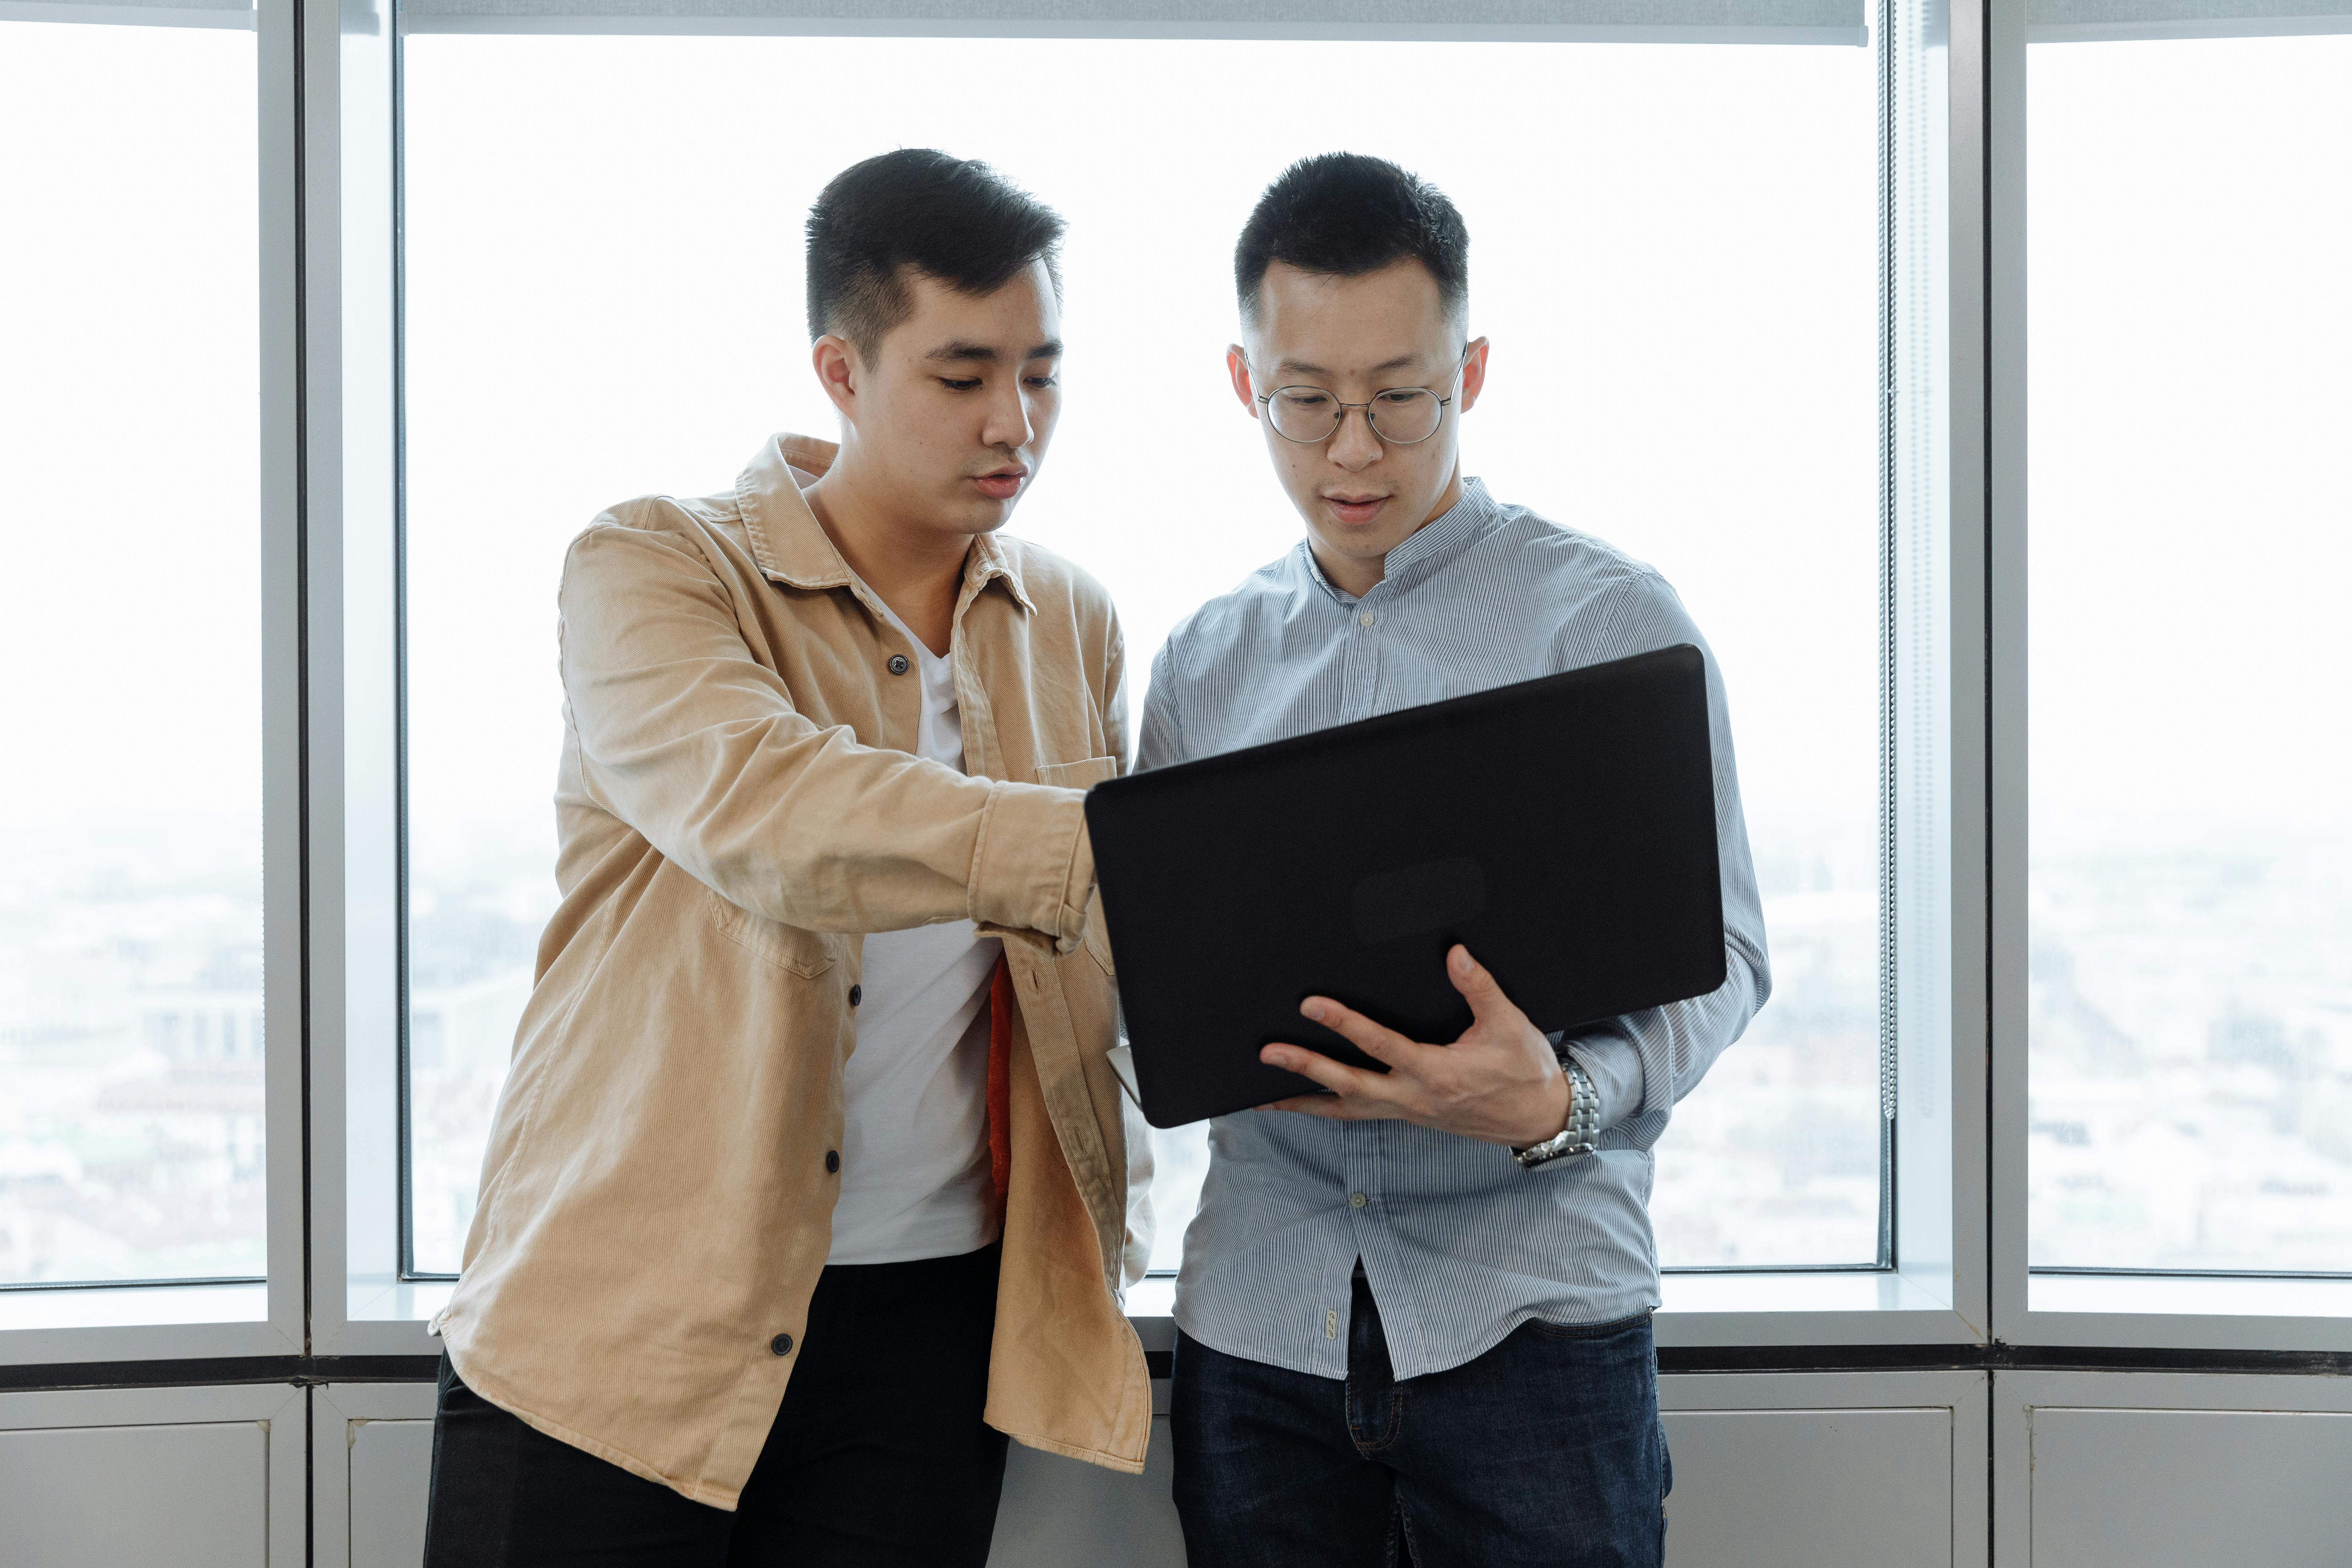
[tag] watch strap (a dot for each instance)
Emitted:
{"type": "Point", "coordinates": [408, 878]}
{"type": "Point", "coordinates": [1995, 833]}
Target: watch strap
{"type": "Point", "coordinates": [1580, 1136]}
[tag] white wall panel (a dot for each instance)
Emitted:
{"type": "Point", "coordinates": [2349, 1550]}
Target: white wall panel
{"type": "Point", "coordinates": [1753, 1489]}
{"type": "Point", "coordinates": [2173, 1470]}
{"type": "Point", "coordinates": [372, 1505]}
{"type": "Point", "coordinates": [1795, 1489]}
{"type": "Point", "coordinates": [391, 1463]}
{"type": "Point", "coordinates": [2146, 1489]}
{"type": "Point", "coordinates": [1787, 1468]}
{"type": "Point", "coordinates": [373, 1475]}
{"type": "Point", "coordinates": [1884, 1468]}
{"type": "Point", "coordinates": [193, 1495]}
{"type": "Point", "coordinates": [195, 1477]}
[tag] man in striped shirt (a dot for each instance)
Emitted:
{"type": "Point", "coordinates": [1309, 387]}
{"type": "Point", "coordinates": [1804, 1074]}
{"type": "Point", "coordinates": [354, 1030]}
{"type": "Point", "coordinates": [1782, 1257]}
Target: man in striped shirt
{"type": "Point", "coordinates": [1414, 1311]}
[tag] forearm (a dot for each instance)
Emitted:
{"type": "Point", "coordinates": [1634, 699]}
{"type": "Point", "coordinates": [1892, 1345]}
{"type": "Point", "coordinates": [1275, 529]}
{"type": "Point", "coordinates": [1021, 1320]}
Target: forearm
{"type": "Point", "coordinates": [817, 831]}
{"type": "Point", "coordinates": [683, 735]}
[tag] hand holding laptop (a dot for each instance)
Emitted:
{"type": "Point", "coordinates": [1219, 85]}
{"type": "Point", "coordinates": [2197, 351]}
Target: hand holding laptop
{"type": "Point", "coordinates": [1577, 859]}
{"type": "Point", "coordinates": [1500, 1083]}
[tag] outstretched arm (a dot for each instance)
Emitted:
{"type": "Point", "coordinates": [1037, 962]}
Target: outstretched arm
{"type": "Point", "coordinates": [690, 741]}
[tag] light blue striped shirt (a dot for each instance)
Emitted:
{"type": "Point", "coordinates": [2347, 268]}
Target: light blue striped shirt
{"type": "Point", "coordinates": [1459, 1245]}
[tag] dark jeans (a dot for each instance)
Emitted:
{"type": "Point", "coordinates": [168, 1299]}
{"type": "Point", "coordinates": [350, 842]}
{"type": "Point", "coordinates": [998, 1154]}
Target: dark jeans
{"type": "Point", "coordinates": [1547, 1449]}
{"type": "Point", "coordinates": [877, 1458]}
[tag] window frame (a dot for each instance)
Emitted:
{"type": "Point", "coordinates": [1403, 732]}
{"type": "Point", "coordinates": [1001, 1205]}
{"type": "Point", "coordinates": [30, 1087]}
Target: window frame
{"type": "Point", "coordinates": [1926, 1293]}
{"type": "Point", "coordinates": [329, 449]}
{"type": "Point", "coordinates": [2153, 1309]}
{"type": "Point", "coordinates": [49, 1325]}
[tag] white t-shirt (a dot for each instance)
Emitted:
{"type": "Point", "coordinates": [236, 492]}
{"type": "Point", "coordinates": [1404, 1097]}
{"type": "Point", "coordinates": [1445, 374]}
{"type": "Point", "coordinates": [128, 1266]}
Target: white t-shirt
{"type": "Point", "coordinates": [915, 1181]}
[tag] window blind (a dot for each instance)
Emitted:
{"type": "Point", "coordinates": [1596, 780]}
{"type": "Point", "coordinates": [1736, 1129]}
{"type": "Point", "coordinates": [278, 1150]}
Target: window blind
{"type": "Point", "coordinates": [2084, 21]}
{"type": "Point", "coordinates": [138, 13]}
{"type": "Point", "coordinates": [1617, 21]}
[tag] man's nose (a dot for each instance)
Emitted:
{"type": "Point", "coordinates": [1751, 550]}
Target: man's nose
{"type": "Point", "coordinates": [1008, 424]}
{"type": "Point", "coordinates": [1353, 445]}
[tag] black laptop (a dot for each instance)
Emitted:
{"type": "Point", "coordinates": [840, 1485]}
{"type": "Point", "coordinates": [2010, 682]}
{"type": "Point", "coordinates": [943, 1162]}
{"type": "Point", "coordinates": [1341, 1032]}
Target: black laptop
{"type": "Point", "coordinates": [1562, 829]}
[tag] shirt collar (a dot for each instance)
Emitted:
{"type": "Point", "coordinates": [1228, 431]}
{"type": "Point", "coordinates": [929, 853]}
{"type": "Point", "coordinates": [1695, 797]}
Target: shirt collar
{"type": "Point", "coordinates": [1426, 550]}
{"type": "Point", "coordinates": [792, 547]}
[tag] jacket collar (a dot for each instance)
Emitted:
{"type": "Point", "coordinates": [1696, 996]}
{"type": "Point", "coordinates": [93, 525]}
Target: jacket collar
{"type": "Point", "coordinates": [792, 547]}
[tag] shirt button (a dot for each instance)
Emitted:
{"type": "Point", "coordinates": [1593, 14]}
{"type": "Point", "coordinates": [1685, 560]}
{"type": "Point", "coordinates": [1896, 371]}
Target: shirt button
{"type": "Point", "coordinates": [856, 994]}
{"type": "Point", "coordinates": [898, 664]}
{"type": "Point", "coordinates": [782, 1345]}
{"type": "Point", "coordinates": [832, 1161]}
{"type": "Point", "coordinates": [1356, 1200]}
{"type": "Point", "coordinates": [1365, 618]}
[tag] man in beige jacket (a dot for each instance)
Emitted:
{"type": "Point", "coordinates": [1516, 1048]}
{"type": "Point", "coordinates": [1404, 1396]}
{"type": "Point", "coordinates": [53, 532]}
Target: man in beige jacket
{"type": "Point", "coordinates": [812, 1182]}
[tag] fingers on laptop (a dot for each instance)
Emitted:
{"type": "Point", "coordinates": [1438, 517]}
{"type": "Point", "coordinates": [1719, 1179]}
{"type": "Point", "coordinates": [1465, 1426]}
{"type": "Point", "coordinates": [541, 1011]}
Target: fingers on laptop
{"type": "Point", "coordinates": [1384, 1046]}
{"type": "Point", "coordinates": [1372, 1089]}
{"type": "Point", "coordinates": [1478, 985]}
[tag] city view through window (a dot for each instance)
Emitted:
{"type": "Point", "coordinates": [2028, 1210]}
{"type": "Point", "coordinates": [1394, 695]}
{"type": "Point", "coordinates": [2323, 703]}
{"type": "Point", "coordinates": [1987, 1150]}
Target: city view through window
{"type": "Point", "coordinates": [130, 1030]}
{"type": "Point", "coordinates": [1684, 363]}
{"type": "Point", "coordinates": [2191, 893]}
{"type": "Point", "coordinates": [1673, 250]}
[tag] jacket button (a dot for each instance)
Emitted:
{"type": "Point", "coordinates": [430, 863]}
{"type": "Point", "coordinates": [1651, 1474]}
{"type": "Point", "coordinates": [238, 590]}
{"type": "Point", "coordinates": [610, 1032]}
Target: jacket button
{"type": "Point", "coordinates": [832, 1161]}
{"type": "Point", "coordinates": [898, 664]}
{"type": "Point", "coordinates": [782, 1345]}
{"type": "Point", "coordinates": [856, 994]}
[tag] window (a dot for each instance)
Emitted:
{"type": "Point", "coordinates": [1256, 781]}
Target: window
{"type": "Point", "coordinates": [2191, 893]}
{"type": "Point", "coordinates": [130, 1010]}
{"type": "Point", "coordinates": [603, 297]}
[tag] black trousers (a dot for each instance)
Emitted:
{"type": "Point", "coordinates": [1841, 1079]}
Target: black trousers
{"type": "Point", "coordinates": [877, 1458]}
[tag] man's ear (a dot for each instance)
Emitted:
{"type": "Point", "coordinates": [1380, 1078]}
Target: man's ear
{"type": "Point", "coordinates": [837, 370]}
{"type": "Point", "coordinates": [1473, 373]}
{"type": "Point", "coordinates": [1237, 367]}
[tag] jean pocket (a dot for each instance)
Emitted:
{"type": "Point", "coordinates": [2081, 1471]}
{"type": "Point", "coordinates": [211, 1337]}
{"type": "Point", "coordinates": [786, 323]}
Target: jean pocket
{"type": "Point", "coordinates": [1589, 1330]}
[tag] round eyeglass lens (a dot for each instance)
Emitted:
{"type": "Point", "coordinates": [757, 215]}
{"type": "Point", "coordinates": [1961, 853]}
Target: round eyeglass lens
{"type": "Point", "coordinates": [1303, 413]}
{"type": "Point", "coordinates": [1405, 415]}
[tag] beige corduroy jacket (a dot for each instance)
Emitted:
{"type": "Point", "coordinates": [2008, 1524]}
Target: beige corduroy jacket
{"type": "Point", "coordinates": [736, 802]}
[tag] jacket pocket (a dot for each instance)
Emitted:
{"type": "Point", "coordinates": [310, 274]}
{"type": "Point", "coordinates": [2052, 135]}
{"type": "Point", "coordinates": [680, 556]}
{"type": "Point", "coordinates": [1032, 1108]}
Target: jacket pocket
{"type": "Point", "coordinates": [1098, 939]}
{"type": "Point", "coordinates": [772, 943]}
{"type": "Point", "coordinates": [1078, 775]}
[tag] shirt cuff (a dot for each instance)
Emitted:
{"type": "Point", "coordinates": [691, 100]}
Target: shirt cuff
{"type": "Point", "coordinates": [1614, 1066]}
{"type": "Point", "coordinates": [1033, 866]}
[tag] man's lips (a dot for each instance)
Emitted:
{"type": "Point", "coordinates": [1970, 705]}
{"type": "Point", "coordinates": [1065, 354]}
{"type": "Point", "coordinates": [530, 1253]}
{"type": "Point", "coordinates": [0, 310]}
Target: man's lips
{"type": "Point", "coordinates": [1357, 510]}
{"type": "Point", "coordinates": [1002, 484]}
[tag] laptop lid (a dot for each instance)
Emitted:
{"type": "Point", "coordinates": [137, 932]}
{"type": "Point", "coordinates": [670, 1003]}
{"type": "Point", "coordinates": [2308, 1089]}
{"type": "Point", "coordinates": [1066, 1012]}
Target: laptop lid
{"type": "Point", "coordinates": [1562, 829]}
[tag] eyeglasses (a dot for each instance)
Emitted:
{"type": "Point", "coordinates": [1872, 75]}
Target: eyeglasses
{"type": "Point", "coordinates": [1399, 416]}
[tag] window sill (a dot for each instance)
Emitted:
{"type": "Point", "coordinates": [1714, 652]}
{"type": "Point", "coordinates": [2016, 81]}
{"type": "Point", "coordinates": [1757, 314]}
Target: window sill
{"type": "Point", "coordinates": [137, 1322]}
{"type": "Point", "coordinates": [398, 1300]}
{"type": "Point", "coordinates": [384, 1315]}
{"type": "Point", "coordinates": [2156, 1312]}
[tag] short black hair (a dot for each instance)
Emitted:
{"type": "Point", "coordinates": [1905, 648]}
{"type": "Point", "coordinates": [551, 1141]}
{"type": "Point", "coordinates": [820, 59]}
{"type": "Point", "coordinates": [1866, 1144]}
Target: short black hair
{"type": "Point", "coordinates": [1344, 214]}
{"type": "Point", "coordinates": [955, 219]}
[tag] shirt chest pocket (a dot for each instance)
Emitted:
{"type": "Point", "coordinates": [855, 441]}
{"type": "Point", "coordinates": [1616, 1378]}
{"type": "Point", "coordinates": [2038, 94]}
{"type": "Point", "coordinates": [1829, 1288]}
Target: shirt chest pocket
{"type": "Point", "coordinates": [774, 943]}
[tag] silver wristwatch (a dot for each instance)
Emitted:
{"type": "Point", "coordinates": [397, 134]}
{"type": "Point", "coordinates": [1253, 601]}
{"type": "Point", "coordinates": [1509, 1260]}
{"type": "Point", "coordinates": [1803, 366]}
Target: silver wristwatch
{"type": "Point", "coordinates": [1574, 1140]}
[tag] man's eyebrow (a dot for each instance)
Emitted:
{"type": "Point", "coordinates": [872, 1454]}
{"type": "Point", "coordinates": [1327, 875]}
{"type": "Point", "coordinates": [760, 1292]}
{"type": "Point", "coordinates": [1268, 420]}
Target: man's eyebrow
{"type": "Point", "coordinates": [982, 354]}
{"type": "Point", "coordinates": [1300, 367]}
